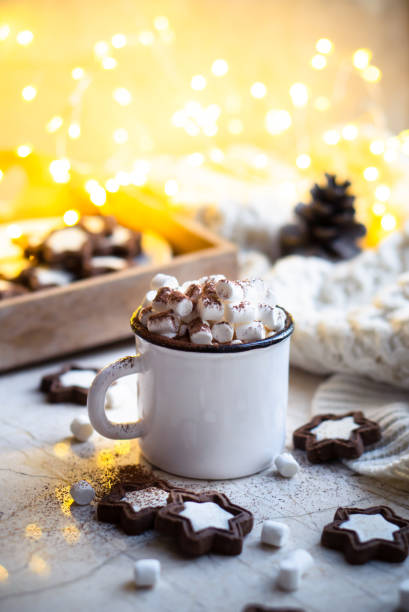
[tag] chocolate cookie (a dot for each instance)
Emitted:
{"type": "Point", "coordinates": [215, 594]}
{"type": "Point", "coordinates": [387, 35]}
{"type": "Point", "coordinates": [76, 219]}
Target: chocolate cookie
{"type": "Point", "coordinates": [363, 534]}
{"type": "Point", "coordinates": [70, 384]}
{"type": "Point", "coordinates": [103, 264]}
{"type": "Point", "coordinates": [36, 278]}
{"type": "Point", "coordinates": [10, 290]}
{"type": "Point", "coordinates": [204, 522]}
{"type": "Point", "coordinates": [134, 505]}
{"type": "Point", "coordinates": [67, 248]}
{"type": "Point", "coordinates": [122, 242]}
{"type": "Point", "coordinates": [260, 608]}
{"type": "Point", "coordinates": [329, 436]}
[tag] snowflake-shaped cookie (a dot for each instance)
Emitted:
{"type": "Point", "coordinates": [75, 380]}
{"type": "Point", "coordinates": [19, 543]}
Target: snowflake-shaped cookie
{"type": "Point", "coordinates": [203, 523]}
{"type": "Point", "coordinates": [329, 436]}
{"type": "Point", "coordinates": [363, 534]}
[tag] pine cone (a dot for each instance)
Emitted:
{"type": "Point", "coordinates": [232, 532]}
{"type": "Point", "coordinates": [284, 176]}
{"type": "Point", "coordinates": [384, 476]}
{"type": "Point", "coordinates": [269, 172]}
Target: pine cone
{"type": "Point", "coordinates": [327, 226]}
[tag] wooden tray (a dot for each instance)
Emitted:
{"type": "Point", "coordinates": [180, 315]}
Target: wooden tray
{"type": "Point", "coordinates": [96, 311]}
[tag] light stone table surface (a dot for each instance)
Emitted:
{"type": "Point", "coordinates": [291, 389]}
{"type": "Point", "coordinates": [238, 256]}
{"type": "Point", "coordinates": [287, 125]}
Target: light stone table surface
{"type": "Point", "coordinates": [54, 555]}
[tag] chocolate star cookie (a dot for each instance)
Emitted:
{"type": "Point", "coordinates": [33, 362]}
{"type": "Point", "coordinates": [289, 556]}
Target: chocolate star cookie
{"type": "Point", "coordinates": [363, 534]}
{"type": "Point", "coordinates": [70, 384]}
{"type": "Point", "coordinates": [122, 242]}
{"type": "Point", "coordinates": [67, 248]}
{"type": "Point", "coordinates": [329, 436]}
{"type": "Point", "coordinates": [203, 523]}
{"type": "Point", "coordinates": [36, 278]}
{"type": "Point", "coordinates": [134, 505]}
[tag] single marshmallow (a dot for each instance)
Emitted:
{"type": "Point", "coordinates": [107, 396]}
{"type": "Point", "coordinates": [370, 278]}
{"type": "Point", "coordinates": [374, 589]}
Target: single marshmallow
{"type": "Point", "coordinates": [81, 428]}
{"type": "Point", "coordinates": [164, 323]}
{"type": "Point", "coordinates": [279, 319]}
{"type": "Point", "coordinates": [229, 290]}
{"type": "Point", "coordinates": [200, 332]}
{"type": "Point", "coordinates": [404, 596]}
{"type": "Point", "coordinates": [180, 303]}
{"type": "Point", "coordinates": [144, 315]}
{"type": "Point", "coordinates": [286, 465]}
{"type": "Point", "coordinates": [146, 572]}
{"type": "Point", "coordinates": [240, 312]}
{"type": "Point", "coordinates": [210, 308]}
{"type": "Point", "coordinates": [293, 568]}
{"type": "Point", "coordinates": [209, 289]}
{"type": "Point", "coordinates": [250, 332]}
{"type": "Point", "coordinates": [236, 341]}
{"type": "Point", "coordinates": [164, 280]}
{"type": "Point", "coordinates": [268, 315]}
{"type": "Point", "coordinates": [149, 297]}
{"type": "Point", "coordinates": [222, 332]}
{"type": "Point", "coordinates": [193, 291]}
{"type": "Point", "coordinates": [274, 533]}
{"type": "Point", "coordinates": [253, 289]}
{"type": "Point", "coordinates": [270, 297]}
{"type": "Point", "coordinates": [82, 493]}
{"type": "Point", "coordinates": [160, 303]}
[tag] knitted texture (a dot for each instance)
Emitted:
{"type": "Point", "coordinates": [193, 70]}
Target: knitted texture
{"type": "Point", "coordinates": [388, 458]}
{"type": "Point", "coordinates": [351, 317]}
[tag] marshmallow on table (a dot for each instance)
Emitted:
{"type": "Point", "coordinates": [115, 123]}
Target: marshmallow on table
{"type": "Point", "coordinates": [250, 332]}
{"type": "Point", "coordinates": [164, 323]}
{"type": "Point", "coordinates": [229, 290]}
{"type": "Point", "coordinates": [200, 332]}
{"type": "Point", "coordinates": [82, 493]}
{"type": "Point", "coordinates": [274, 533]}
{"type": "Point", "coordinates": [293, 568]}
{"type": "Point", "coordinates": [222, 332]}
{"type": "Point", "coordinates": [404, 596]}
{"type": "Point", "coordinates": [146, 572]}
{"type": "Point", "coordinates": [210, 308]}
{"type": "Point", "coordinates": [240, 312]}
{"type": "Point", "coordinates": [81, 428]}
{"type": "Point", "coordinates": [164, 280]}
{"type": "Point", "coordinates": [180, 303]}
{"type": "Point", "coordinates": [286, 465]}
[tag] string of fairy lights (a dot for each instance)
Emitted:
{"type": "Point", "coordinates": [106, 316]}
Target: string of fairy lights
{"type": "Point", "coordinates": [197, 118]}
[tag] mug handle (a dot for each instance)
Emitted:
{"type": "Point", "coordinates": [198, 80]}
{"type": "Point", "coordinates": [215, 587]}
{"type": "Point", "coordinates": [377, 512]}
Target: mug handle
{"type": "Point", "coordinates": [96, 399]}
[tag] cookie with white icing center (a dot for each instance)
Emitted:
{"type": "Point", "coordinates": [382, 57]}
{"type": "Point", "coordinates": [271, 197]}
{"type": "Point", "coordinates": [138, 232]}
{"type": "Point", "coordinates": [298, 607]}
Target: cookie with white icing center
{"type": "Point", "coordinates": [329, 436]}
{"type": "Point", "coordinates": [202, 523]}
{"type": "Point", "coordinates": [363, 534]}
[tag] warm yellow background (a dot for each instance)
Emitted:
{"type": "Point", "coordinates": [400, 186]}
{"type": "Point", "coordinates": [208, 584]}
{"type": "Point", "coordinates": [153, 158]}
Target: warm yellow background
{"type": "Point", "coordinates": [271, 41]}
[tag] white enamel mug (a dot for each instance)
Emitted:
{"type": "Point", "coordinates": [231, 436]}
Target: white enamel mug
{"type": "Point", "coordinates": [205, 412]}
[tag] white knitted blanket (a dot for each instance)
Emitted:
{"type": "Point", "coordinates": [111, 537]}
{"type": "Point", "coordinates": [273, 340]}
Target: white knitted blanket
{"type": "Point", "coordinates": [350, 317]}
{"type": "Point", "coordinates": [388, 458]}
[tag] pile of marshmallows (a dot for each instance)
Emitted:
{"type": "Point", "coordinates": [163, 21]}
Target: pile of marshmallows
{"type": "Point", "coordinates": [211, 309]}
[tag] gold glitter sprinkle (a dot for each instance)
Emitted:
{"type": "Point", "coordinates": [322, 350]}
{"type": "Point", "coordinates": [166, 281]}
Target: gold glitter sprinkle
{"type": "Point", "coordinates": [33, 531]}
